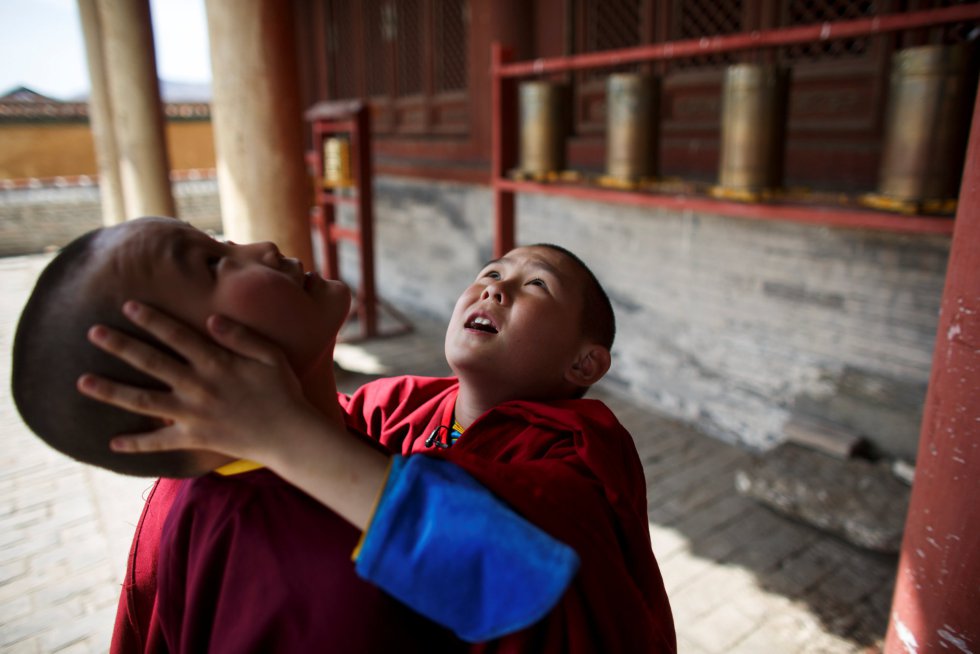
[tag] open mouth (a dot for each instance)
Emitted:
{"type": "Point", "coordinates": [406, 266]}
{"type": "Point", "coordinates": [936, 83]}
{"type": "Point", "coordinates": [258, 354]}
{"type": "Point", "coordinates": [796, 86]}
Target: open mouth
{"type": "Point", "coordinates": [481, 324]}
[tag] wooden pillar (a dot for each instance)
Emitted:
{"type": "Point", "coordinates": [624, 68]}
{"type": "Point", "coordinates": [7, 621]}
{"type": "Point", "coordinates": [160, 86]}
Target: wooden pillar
{"type": "Point", "coordinates": [134, 106]}
{"type": "Point", "coordinates": [937, 590]}
{"type": "Point", "coordinates": [258, 125]}
{"type": "Point", "coordinates": [100, 117]}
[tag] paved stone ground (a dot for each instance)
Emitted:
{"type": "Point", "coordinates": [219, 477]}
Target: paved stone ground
{"type": "Point", "coordinates": [741, 579]}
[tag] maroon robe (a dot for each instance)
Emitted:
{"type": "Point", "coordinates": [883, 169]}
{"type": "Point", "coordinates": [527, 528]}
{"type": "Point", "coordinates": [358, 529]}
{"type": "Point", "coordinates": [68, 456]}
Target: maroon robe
{"type": "Point", "coordinates": [570, 468]}
{"type": "Point", "coordinates": [249, 563]}
{"type": "Point", "coordinates": [137, 627]}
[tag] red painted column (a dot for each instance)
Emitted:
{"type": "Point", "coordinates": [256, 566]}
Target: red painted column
{"type": "Point", "coordinates": [936, 607]}
{"type": "Point", "coordinates": [501, 151]}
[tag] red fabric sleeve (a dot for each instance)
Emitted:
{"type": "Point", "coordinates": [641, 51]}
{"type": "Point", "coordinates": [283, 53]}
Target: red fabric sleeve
{"type": "Point", "coordinates": [395, 410]}
{"type": "Point", "coordinates": [572, 470]}
{"type": "Point", "coordinates": [249, 563]}
{"type": "Point", "coordinates": [137, 628]}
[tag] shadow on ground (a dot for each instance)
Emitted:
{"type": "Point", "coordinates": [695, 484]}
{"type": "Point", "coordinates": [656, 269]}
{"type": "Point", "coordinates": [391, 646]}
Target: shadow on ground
{"type": "Point", "coordinates": [691, 491]}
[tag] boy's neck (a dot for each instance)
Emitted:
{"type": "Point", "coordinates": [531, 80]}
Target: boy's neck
{"type": "Point", "coordinates": [472, 402]}
{"type": "Point", "coordinates": [320, 389]}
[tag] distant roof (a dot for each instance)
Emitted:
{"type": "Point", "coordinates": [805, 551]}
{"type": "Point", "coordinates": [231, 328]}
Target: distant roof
{"type": "Point", "coordinates": [26, 105]}
{"type": "Point", "coordinates": [181, 101]}
{"type": "Point", "coordinates": [24, 94]}
{"type": "Point", "coordinates": [170, 92]}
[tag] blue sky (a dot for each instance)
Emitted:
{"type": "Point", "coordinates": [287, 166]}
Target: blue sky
{"type": "Point", "coordinates": [41, 45]}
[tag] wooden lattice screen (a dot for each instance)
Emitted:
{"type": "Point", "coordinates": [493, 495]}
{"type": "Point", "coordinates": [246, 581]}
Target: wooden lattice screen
{"type": "Point", "coordinates": [408, 57]}
{"type": "Point", "coordinates": [695, 19]}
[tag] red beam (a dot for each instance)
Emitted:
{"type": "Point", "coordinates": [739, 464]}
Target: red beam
{"type": "Point", "coordinates": [745, 41]}
{"type": "Point", "coordinates": [936, 607]}
{"type": "Point", "coordinates": [832, 216]}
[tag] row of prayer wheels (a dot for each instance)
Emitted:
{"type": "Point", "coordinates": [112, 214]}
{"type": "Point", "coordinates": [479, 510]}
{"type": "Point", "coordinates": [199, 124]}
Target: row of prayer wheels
{"type": "Point", "coordinates": [924, 138]}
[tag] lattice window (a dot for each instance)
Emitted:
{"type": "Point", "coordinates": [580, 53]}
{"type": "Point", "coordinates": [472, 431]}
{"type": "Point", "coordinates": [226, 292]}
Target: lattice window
{"type": "Point", "coordinates": [703, 18]}
{"type": "Point", "coordinates": [451, 45]}
{"type": "Point", "coordinates": [611, 25]}
{"type": "Point", "coordinates": [958, 32]}
{"type": "Point", "coordinates": [808, 12]}
{"type": "Point", "coordinates": [409, 57]}
{"type": "Point", "coordinates": [408, 17]}
{"type": "Point", "coordinates": [340, 51]}
{"type": "Point", "coordinates": [379, 33]}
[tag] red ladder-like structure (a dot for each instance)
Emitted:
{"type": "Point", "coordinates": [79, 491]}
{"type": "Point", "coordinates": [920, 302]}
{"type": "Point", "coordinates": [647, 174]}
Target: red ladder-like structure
{"type": "Point", "coordinates": [353, 119]}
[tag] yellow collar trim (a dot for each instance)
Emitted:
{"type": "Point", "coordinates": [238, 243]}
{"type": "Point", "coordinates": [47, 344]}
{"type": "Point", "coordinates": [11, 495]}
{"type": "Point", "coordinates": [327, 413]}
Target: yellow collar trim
{"type": "Point", "coordinates": [458, 427]}
{"type": "Point", "coordinates": [238, 467]}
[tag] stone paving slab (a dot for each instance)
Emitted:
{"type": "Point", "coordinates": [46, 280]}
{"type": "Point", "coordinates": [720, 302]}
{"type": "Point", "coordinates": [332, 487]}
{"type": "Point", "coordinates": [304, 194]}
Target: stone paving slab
{"type": "Point", "coordinates": [862, 502]}
{"type": "Point", "coordinates": [741, 578]}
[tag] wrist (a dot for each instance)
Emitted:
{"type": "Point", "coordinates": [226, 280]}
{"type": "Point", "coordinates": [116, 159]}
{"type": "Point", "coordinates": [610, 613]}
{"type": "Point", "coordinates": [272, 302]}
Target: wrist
{"type": "Point", "coordinates": [297, 442]}
{"type": "Point", "coordinates": [339, 469]}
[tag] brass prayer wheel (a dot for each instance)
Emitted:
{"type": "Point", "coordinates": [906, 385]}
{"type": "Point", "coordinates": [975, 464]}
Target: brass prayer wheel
{"type": "Point", "coordinates": [753, 125]}
{"type": "Point", "coordinates": [926, 126]}
{"type": "Point", "coordinates": [631, 127]}
{"type": "Point", "coordinates": [542, 129]}
{"type": "Point", "coordinates": [336, 162]}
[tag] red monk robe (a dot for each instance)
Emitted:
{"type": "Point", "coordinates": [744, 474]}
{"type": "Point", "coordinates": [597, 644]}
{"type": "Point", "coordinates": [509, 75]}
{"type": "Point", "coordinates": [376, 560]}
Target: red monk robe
{"type": "Point", "coordinates": [568, 467]}
{"type": "Point", "coordinates": [249, 563]}
{"type": "Point", "coordinates": [137, 627]}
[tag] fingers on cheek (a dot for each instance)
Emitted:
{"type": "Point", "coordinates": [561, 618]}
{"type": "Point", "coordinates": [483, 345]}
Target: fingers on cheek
{"type": "Point", "coordinates": [123, 444]}
{"type": "Point", "coordinates": [219, 325]}
{"type": "Point", "coordinates": [154, 363]}
{"type": "Point", "coordinates": [103, 338]}
{"type": "Point", "coordinates": [137, 444]}
{"type": "Point", "coordinates": [92, 386]}
{"type": "Point", "coordinates": [117, 344]}
{"type": "Point", "coordinates": [125, 397]}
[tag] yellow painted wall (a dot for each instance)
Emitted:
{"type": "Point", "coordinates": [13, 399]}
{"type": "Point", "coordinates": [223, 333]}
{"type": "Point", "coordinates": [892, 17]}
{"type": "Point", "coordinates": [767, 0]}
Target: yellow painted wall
{"type": "Point", "coordinates": [46, 150]}
{"type": "Point", "coordinates": [190, 144]}
{"type": "Point", "coordinates": [58, 149]}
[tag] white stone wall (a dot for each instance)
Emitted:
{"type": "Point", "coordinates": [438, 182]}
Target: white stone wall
{"type": "Point", "coordinates": [735, 325]}
{"type": "Point", "coordinates": [37, 218]}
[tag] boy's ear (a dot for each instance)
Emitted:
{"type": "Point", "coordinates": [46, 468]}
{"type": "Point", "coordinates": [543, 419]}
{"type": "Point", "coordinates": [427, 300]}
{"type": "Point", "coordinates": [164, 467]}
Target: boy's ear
{"type": "Point", "coordinates": [589, 366]}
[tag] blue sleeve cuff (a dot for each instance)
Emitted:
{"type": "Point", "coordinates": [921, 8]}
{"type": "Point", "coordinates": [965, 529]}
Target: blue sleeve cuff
{"type": "Point", "coordinates": [441, 543]}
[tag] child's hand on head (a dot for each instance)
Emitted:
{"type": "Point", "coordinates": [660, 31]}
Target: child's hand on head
{"type": "Point", "coordinates": [229, 396]}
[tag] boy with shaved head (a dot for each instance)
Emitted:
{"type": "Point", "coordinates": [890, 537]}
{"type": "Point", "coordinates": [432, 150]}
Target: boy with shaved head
{"type": "Point", "coordinates": [274, 572]}
{"type": "Point", "coordinates": [500, 505]}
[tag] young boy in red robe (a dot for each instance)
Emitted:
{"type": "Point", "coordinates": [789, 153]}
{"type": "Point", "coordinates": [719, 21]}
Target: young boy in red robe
{"type": "Point", "coordinates": [276, 574]}
{"type": "Point", "coordinates": [437, 539]}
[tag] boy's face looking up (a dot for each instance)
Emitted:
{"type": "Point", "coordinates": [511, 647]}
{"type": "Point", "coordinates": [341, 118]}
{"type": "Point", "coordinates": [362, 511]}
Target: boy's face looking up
{"type": "Point", "coordinates": [179, 269]}
{"type": "Point", "coordinates": [519, 326]}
